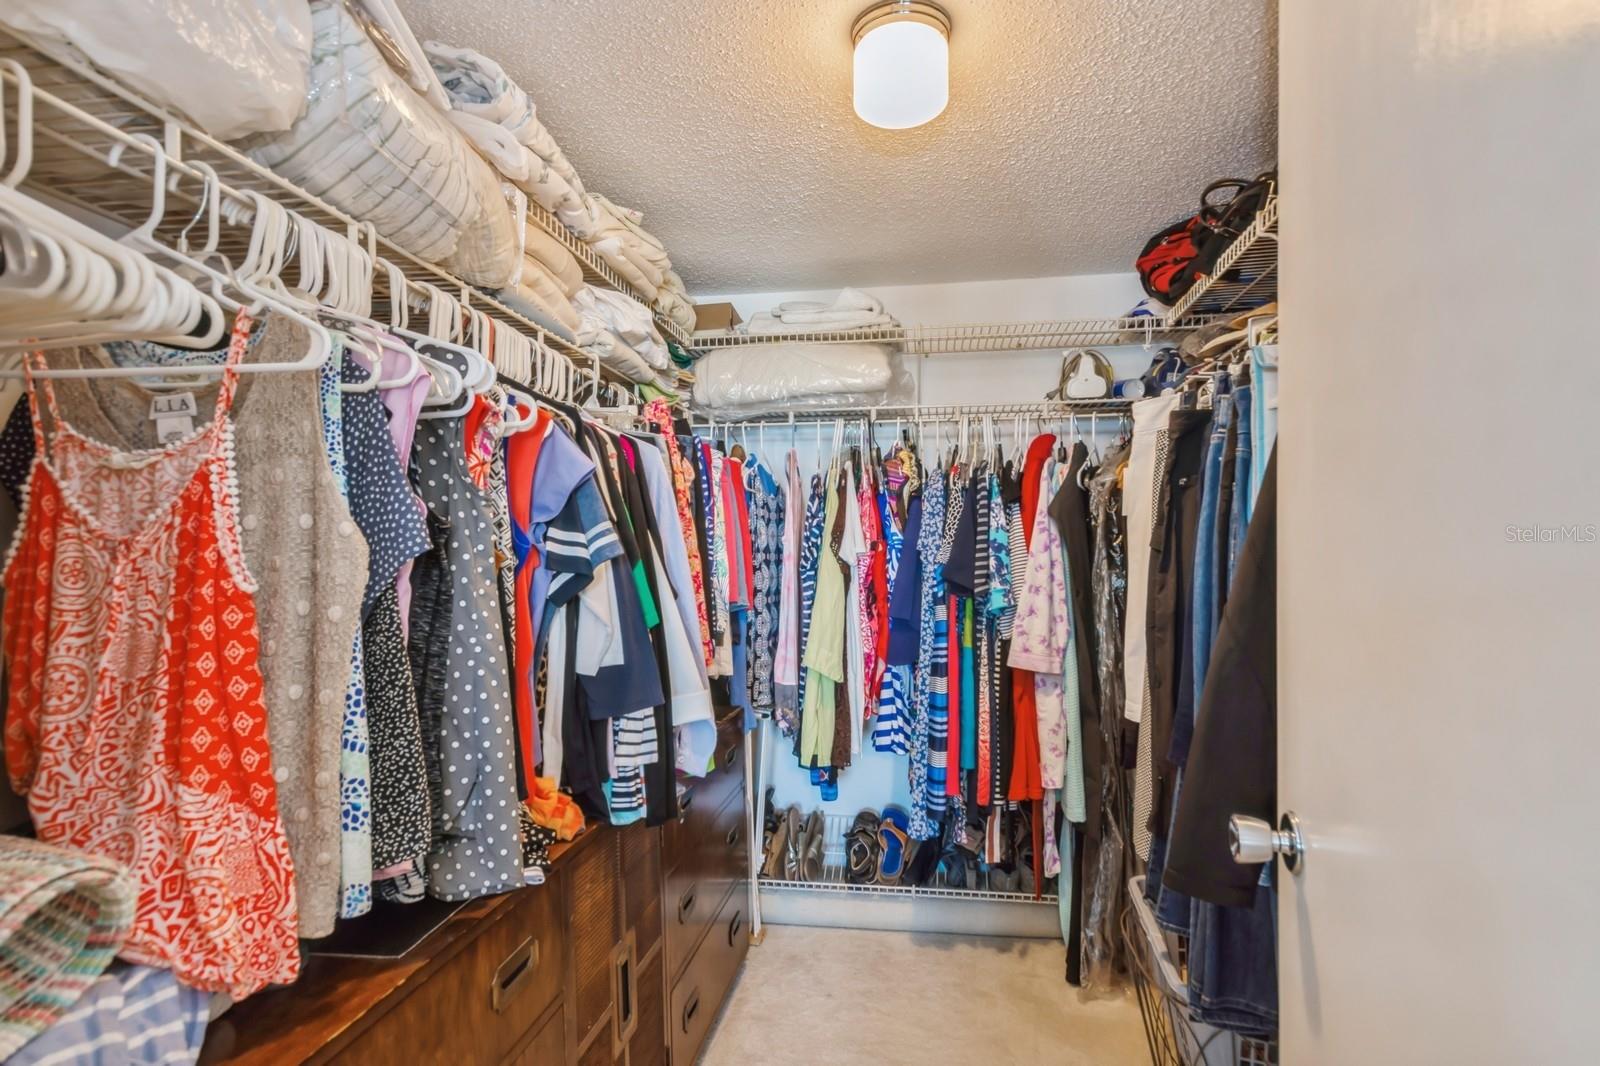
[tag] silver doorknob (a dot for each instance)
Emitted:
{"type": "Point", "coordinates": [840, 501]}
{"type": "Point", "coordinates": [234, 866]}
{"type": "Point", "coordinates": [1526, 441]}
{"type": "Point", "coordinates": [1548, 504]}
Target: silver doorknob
{"type": "Point", "coordinates": [1254, 841]}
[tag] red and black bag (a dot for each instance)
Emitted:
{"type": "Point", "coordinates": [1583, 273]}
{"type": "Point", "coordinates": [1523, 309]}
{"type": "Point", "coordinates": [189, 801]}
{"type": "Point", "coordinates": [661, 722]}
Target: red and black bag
{"type": "Point", "coordinates": [1174, 259]}
{"type": "Point", "coordinates": [1164, 265]}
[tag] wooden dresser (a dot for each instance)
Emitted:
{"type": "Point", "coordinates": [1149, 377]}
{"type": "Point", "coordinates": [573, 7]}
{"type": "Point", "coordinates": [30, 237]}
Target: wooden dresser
{"type": "Point", "coordinates": [624, 955]}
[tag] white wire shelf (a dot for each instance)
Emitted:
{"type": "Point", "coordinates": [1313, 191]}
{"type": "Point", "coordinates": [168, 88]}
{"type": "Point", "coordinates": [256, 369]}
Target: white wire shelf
{"type": "Point", "coordinates": [1245, 276]}
{"type": "Point", "coordinates": [979, 337]}
{"type": "Point", "coordinates": [912, 413]}
{"type": "Point", "coordinates": [80, 115]}
{"type": "Point", "coordinates": [833, 879]}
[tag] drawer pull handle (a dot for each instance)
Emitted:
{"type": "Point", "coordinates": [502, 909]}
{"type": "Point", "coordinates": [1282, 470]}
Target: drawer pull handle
{"type": "Point", "coordinates": [625, 988]}
{"type": "Point", "coordinates": [734, 927]}
{"type": "Point", "coordinates": [730, 755]}
{"type": "Point", "coordinates": [684, 805]}
{"type": "Point", "coordinates": [690, 1008]}
{"type": "Point", "coordinates": [733, 836]}
{"type": "Point", "coordinates": [686, 904]}
{"type": "Point", "coordinates": [512, 972]}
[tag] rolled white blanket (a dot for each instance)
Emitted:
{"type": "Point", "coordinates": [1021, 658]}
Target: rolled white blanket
{"type": "Point", "coordinates": [848, 300]}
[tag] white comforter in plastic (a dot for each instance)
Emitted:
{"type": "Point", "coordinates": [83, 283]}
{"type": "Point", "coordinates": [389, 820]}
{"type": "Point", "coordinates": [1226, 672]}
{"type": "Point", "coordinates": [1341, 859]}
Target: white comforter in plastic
{"type": "Point", "coordinates": [371, 146]}
{"type": "Point", "coordinates": [236, 67]}
{"type": "Point", "coordinates": [755, 377]}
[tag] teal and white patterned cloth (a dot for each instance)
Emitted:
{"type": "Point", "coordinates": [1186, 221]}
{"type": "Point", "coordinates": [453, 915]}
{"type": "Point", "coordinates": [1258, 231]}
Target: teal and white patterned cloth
{"type": "Point", "coordinates": [63, 916]}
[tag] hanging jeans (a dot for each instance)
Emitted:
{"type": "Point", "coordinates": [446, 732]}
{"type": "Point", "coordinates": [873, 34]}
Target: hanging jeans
{"type": "Point", "coordinates": [1239, 518]}
{"type": "Point", "coordinates": [1233, 974]}
{"type": "Point", "coordinates": [1264, 411]}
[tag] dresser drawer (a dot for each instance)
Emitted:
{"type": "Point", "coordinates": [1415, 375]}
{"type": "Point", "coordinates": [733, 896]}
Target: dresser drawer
{"type": "Point", "coordinates": [548, 1048]}
{"type": "Point", "coordinates": [698, 994]}
{"type": "Point", "coordinates": [727, 776]}
{"type": "Point", "coordinates": [480, 1004]}
{"type": "Point", "coordinates": [714, 859]}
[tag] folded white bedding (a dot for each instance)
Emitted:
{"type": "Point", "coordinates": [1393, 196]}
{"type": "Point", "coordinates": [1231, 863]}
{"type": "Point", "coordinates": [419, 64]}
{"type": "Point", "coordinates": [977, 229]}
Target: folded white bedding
{"type": "Point", "coordinates": [604, 311]}
{"type": "Point", "coordinates": [556, 316]}
{"type": "Point", "coordinates": [810, 321]}
{"type": "Point", "coordinates": [676, 307]}
{"type": "Point", "coordinates": [848, 300]}
{"type": "Point", "coordinates": [757, 374]}
{"type": "Point", "coordinates": [622, 357]}
{"type": "Point", "coordinates": [537, 278]}
{"type": "Point", "coordinates": [611, 250]}
{"type": "Point", "coordinates": [851, 309]}
{"type": "Point", "coordinates": [627, 247]}
{"type": "Point", "coordinates": [555, 257]}
{"type": "Point", "coordinates": [479, 86]}
{"type": "Point", "coordinates": [631, 221]}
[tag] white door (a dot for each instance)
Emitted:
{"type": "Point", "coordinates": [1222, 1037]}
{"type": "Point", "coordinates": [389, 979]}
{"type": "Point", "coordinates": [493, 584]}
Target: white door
{"type": "Point", "coordinates": [1439, 493]}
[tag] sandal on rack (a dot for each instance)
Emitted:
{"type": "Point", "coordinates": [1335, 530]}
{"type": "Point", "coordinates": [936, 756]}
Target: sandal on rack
{"type": "Point", "coordinates": [777, 848]}
{"type": "Point", "coordinates": [811, 848]}
{"type": "Point", "coordinates": [861, 849]}
{"type": "Point", "coordinates": [892, 841]}
{"type": "Point", "coordinates": [793, 841]}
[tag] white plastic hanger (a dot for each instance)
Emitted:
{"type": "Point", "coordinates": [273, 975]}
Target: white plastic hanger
{"type": "Point", "coordinates": [137, 270]}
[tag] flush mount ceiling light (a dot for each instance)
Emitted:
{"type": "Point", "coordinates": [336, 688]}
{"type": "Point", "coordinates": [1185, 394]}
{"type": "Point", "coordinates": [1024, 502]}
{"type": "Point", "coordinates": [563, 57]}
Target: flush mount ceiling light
{"type": "Point", "coordinates": [902, 63]}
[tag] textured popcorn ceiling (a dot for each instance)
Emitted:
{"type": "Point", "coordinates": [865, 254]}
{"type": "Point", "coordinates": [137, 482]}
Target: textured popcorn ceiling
{"type": "Point", "coordinates": [1075, 129]}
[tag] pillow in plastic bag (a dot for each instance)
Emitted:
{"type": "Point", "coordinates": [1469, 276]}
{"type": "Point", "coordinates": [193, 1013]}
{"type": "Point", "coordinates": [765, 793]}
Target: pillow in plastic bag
{"type": "Point", "coordinates": [369, 145]}
{"type": "Point", "coordinates": [754, 379]}
{"type": "Point", "coordinates": [489, 252]}
{"type": "Point", "coordinates": [235, 67]}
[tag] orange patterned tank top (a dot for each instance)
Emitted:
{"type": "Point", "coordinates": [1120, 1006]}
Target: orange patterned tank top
{"type": "Point", "coordinates": [136, 727]}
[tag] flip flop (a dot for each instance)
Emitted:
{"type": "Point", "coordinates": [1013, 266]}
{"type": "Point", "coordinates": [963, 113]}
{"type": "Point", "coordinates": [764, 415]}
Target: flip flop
{"type": "Point", "coordinates": [861, 849]}
{"type": "Point", "coordinates": [811, 848]}
{"type": "Point", "coordinates": [892, 840]}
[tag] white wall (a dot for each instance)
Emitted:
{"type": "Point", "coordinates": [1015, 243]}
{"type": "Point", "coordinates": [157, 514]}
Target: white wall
{"type": "Point", "coordinates": [1010, 377]}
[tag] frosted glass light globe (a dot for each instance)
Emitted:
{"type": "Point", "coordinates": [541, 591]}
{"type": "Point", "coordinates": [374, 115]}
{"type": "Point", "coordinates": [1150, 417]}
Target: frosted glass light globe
{"type": "Point", "coordinates": [902, 65]}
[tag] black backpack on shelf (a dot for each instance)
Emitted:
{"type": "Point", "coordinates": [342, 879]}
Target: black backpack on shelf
{"type": "Point", "coordinates": [1174, 259]}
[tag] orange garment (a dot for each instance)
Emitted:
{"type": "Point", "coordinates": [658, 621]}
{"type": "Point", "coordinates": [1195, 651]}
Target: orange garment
{"type": "Point", "coordinates": [553, 809]}
{"type": "Point", "coordinates": [522, 462]}
{"type": "Point", "coordinates": [136, 726]}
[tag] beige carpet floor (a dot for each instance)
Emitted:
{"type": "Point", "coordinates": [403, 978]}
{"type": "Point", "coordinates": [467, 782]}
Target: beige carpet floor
{"type": "Point", "coordinates": [845, 998]}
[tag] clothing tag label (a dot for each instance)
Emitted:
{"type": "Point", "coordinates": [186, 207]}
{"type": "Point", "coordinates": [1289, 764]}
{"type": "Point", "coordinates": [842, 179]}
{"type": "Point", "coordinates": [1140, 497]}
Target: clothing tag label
{"type": "Point", "coordinates": [172, 404]}
{"type": "Point", "coordinates": [173, 427]}
{"type": "Point", "coordinates": [173, 413]}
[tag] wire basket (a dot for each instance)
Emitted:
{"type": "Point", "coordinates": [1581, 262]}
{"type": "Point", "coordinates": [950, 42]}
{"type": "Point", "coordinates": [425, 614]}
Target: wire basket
{"type": "Point", "coordinates": [1158, 965]}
